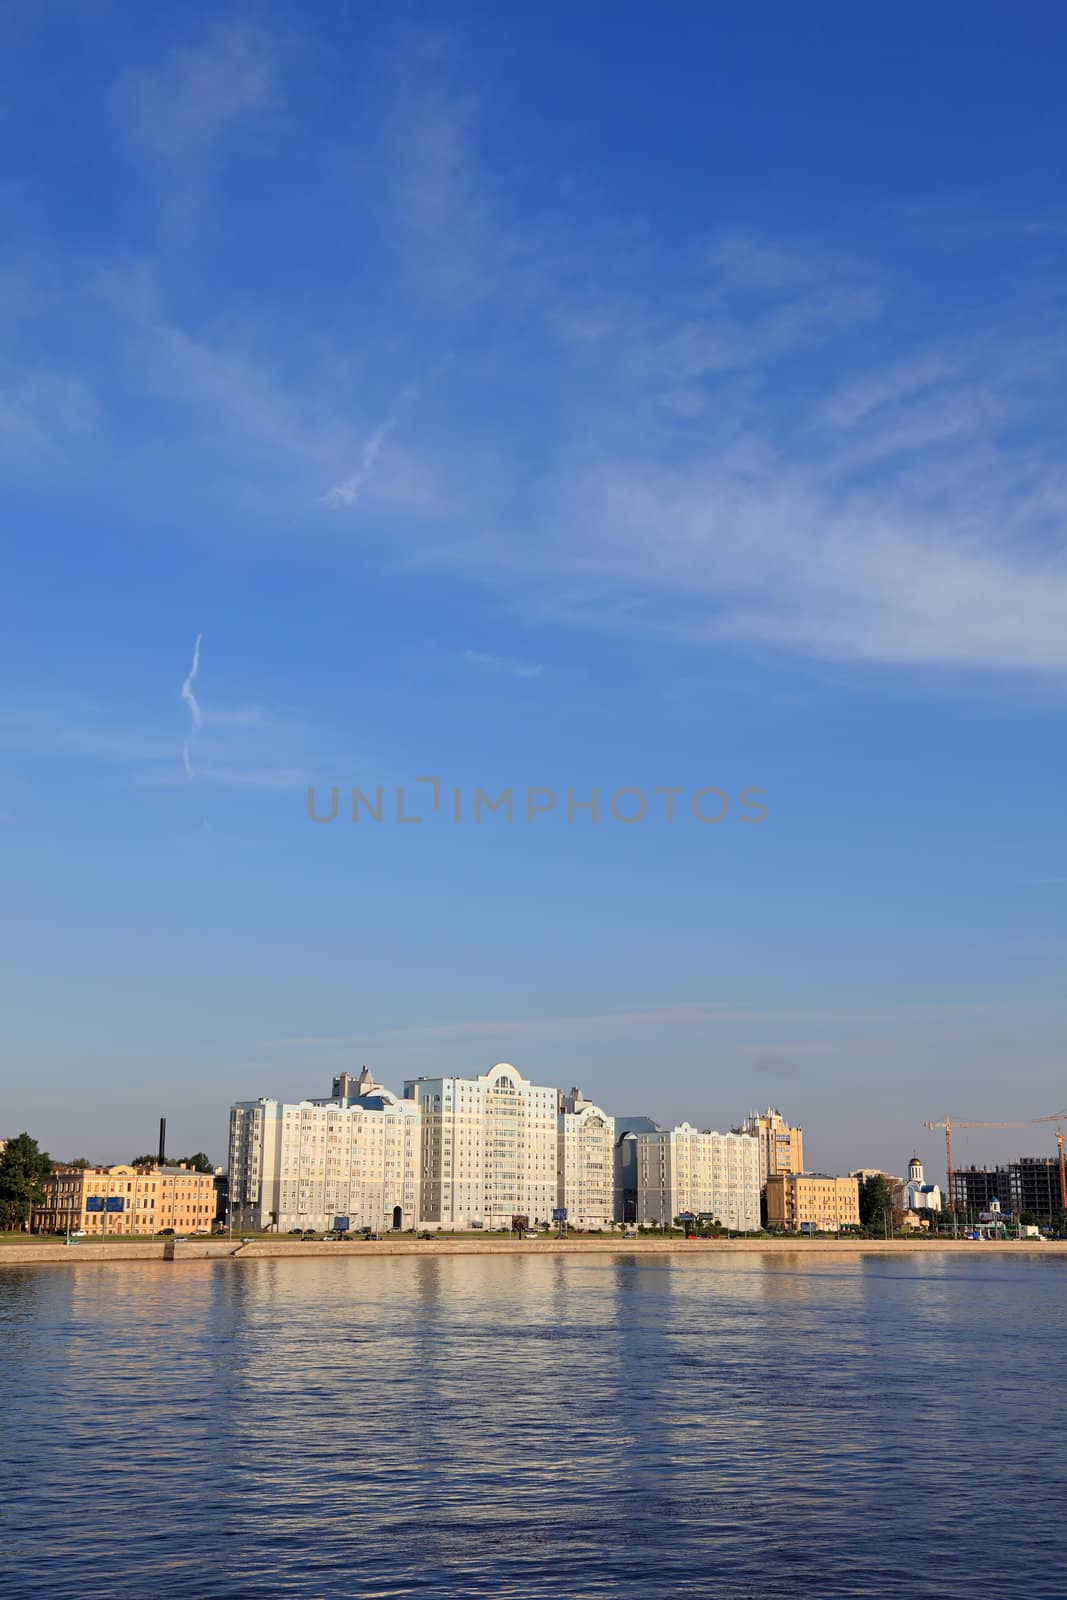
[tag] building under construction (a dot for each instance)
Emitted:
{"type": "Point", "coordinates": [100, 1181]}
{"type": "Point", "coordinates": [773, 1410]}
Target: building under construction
{"type": "Point", "coordinates": [1030, 1184]}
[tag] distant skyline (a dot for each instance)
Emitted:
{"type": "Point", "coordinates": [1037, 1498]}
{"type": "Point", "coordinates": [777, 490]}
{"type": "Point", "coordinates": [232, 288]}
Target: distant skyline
{"type": "Point", "coordinates": [551, 397]}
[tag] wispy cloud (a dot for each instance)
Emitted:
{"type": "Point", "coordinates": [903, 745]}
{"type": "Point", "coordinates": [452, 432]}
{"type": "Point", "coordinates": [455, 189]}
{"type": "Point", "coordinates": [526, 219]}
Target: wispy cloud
{"type": "Point", "coordinates": [737, 442]}
{"type": "Point", "coordinates": [505, 1031]}
{"type": "Point", "coordinates": [194, 709]}
{"type": "Point", "coordinates": [854, 400]}
{"type": "Point", "coordinates": [175, 115]}
{"type": "Point", "coordinates": [236, 747]}
{"type": "Point", "coordinates": [74, 727]}
{"type": "Point", "coordinates": [233, 716]}
{"type": "Point", "coordinates": [348, 492]}
{"type": "Point", "coordinates": [42, 412]}
{"type": "Point", "coordinates": [255, 777]}
{"type": "Point", "coordinates": [490, 663]}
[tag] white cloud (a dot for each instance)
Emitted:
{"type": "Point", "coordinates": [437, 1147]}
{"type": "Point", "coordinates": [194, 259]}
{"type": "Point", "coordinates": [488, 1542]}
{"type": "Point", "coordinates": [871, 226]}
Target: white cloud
{"type": "Point", "coordinates": [699, 1014]}
{"type": "Point", "coordinates": [740, 442]}
{"type": "Point", "coordinates": [45, 412]}
{"type": "Point", "coordinates": [719, 465]}
{"type": "Point", "coordinates": [190, 700]}
{"type": "Point", "coordinates": [491, 663]}
{"type": "Point", "coordinates": [348, 492]}
{"type": "Point", "coordinates": [74, 727]}
{"type": "Point", "coordinates": [786, 564]}
{"type": "Point", "coordinates": [756, 264]}
{"type": "Point", "coordinates": [176, 116]}
{"type": "Point", "coordinates": [241, 746]}
{"type": "Point", "coordinates": [854, 400]}
{"type": "Point", "coordinates": [233, 716]}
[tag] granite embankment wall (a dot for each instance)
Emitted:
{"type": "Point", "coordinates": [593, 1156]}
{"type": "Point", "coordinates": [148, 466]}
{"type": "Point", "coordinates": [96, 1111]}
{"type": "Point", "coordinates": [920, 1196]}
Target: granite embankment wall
{"type": "Point", "coordinates": [54, 1250]}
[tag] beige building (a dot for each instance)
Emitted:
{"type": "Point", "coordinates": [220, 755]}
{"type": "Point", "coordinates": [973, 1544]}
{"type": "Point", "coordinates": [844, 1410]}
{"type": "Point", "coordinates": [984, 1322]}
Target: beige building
{"type": "Point", "coordinates": [585, 1162]}
{"type": "Point", "coordinates": [863, 1173]}
{"type": "Point", "coordinates": [812, 1202]}
{"type": "Point", "coordinates": [489, 1149]}
{"type": "Point", "coordinates": [152, 1198]}
{"type": "Point", "coordinates": [713, 1176]}
{"type": "Point", "coordinates": [781, 1147]}
{"type": "Point", "coordinates": [304, 1164]}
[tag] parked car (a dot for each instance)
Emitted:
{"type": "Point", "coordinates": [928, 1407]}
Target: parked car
{"type": "Point", "coordinates": [166, 1233]}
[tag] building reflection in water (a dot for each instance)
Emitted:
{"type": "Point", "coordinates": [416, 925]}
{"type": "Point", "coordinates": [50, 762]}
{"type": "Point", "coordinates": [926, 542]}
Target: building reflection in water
{"type": "Point", "coordinates": [537, 1426]}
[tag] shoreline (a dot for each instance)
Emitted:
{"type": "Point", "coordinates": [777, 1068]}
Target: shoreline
{"type": "Point", "coordinates": [42, 1251]}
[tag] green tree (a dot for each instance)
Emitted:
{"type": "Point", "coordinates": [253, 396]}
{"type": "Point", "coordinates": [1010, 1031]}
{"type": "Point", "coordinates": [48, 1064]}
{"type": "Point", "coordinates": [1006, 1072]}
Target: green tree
{"type": "Point", "coordinates": [876, 1202]}
{"type": "Point", "coordinates": [199, 1162]}
{"type": "Point", "coordinates": [1028, 1219]}
{"type": "Point", "coordinates": [81, 1162]}
{"type": "Point", "coordinates": [23, 1171]}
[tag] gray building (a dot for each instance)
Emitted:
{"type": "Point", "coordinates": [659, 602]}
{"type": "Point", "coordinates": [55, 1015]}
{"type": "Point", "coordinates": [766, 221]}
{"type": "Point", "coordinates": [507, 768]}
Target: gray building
{"type": "Point", "coordinates": [1030, 1184]}
{"type": "Point", "coordinates": [697, 1172]}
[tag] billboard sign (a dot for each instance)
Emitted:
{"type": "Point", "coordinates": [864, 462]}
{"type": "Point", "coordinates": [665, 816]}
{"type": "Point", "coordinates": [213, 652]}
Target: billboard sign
{"type": "Point", "coordinates": [341, 1224]}
{"type": "Point", "coordinates": [116, 1202]}
{"type": "Point", "coordinates": [559, 1214]}
{"type": "Point", "coordinates": [994, 1216]}
{"type": "Point", "coordinates": [94, 1202]}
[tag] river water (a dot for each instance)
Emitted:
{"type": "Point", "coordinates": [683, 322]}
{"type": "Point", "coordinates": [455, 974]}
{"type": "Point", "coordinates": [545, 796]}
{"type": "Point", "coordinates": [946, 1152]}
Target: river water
{"type": "Point", "coordinates": [536, 1427]}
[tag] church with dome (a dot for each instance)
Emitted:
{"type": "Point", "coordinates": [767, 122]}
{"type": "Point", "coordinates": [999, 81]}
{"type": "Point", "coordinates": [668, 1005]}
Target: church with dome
{"type": "Point", "coordinates": [915, 1194]}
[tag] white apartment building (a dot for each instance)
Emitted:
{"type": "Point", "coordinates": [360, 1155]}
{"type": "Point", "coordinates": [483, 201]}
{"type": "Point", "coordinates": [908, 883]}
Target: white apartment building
{"type": "Point", "coordinates": [585, 1162]}
{"type": "Point", "coordinates": [488, 1149]}
{"type": "Point", "coordinates": [303, 1165]}
{"type": "Point", "coordinates": [712, 1175]}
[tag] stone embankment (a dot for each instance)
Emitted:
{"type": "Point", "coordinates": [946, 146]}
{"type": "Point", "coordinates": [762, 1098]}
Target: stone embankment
{"type": "Point", "coordinates": [55, 1250]}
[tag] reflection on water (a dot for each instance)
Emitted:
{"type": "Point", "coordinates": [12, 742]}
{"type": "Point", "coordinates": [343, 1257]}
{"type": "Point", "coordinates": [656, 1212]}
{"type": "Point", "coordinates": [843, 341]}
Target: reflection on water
{"type": "Point", "coordinates": [535, 1427]}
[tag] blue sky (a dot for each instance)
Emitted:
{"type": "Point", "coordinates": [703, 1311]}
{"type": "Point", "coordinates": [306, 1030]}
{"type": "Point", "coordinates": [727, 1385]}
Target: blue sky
{"type": "Point", "coordinates": [547, 396]}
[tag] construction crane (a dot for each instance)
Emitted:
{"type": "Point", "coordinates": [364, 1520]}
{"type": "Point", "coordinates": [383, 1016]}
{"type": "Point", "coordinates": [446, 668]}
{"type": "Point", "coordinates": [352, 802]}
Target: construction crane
{"type": "Point", "coordinates": [1061, 1140]}
{"type": "Point", "coordinates": [948, 1124]}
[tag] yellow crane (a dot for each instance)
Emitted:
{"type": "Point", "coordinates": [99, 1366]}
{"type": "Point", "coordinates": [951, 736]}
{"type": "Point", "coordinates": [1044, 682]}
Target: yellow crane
{"type": "Point", "coordinates": [948, 1123]}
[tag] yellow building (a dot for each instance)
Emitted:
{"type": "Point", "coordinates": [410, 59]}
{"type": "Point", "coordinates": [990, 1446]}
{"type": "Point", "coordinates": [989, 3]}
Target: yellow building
{"type": "Point", "coordinates": [153, 1198]}
{"type": "Point", "coordinates": [812, 1202]}
{"type": "Point", "coordinates": [781, 1147]}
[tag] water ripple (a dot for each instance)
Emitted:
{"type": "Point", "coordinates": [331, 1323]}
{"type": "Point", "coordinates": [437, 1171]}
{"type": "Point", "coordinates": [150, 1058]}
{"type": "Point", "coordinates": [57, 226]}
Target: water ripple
{"type": "Point", "coordinates": [541, 1427]}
